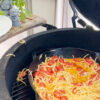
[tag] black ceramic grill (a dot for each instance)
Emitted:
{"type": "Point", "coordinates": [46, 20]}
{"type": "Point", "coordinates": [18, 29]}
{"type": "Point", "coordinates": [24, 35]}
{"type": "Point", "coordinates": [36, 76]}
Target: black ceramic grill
{"type": "Point", "coordinates": [10, 89]}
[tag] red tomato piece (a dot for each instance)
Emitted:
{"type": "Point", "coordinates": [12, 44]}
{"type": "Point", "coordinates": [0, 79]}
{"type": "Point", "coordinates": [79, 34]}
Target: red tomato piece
{"type": "Point", "coordinates": [38, 73]}
{"type": "Point", "coordinates": [89, 61]}
{"type": "Point", "coordinates": [90, 82]}
{"type": "Point", "coordinates": [62, 91]}
{"type": "Point", "coordinates": [61, 60]}
{"type": "Point", "coordinates": [98, 71]}
{"type": "Point", "coordinates": [51, 80]}
{"type": "Point", "coordinates": [77, 59]}
{"type": "Point", "coordinates": [41, 68]}
{"type": "Point", "coordinates": [57, 94]}
{"type": "Point", "coordinates": [82, 72]}
{"type": "Point", "coordinates": [60, 68]}
{"type": "Point", "coordinates": [37, 80]}
{"type": "Point", "coordinates": [78, 84]}
{"type": "Point", "coordinates": [49, 71]}
{"type": "Point", "coordinates": [98, 65]}
{"type": "Point", "coordinates": [56, 69]}
{"type": "Point", "coordinates": [92, 76]}
{"type": "Point", "coordinates": [55, 58]}
{"type": "Point", "coordinates": [74, 90]}
{"type": "Point", "coordinates": [64, 98]}
{"type": "Point", "coordinates": [46, 97]}
{"type": "Point", "coordinates": [50, 62]}
{"type": "Point", "coordinates": [62, 78]}
{"type": "Point", "coordinates": [79, 69]}
{"type": "Point", "coordinates": [42, 84]}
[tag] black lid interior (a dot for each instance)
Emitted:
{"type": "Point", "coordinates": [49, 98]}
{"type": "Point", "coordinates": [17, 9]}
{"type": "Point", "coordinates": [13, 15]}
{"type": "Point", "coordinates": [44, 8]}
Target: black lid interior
{"type": "Point", "coordinates": [90, 9]}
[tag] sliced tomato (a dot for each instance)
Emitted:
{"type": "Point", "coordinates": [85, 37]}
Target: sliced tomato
{"type": "Point", "coordinates": [62, 91]}
{"type": "Point", "coordinates": [98, 65]}
{"type": "Point", "coordinates": [98, 71]}
{"type": "Point", "coordinates": [42, 84]}
{"type": "Point", "coordinates": [92, 76]}
{"type": "Point", "coordinates": [37, 80]}
{"type": "Point", "coordinates": [46, 97]}
{"type": "Point", "coordinates": [62, 78]}
{"type": "Point", "coordinates": [74, 90]}
{"type": "Point", "coordinates": [51, 80]}
{"type": "Point", "coordinates": [55, 58]}
{"type": "Point", "coordinates": [90, 82]}
{"type": "Point", "coordinates": [82, 72]}
{"type": "Point", "coordinates": [78, 84]}
{"type": "Point", "coordinates": [79, 69]}
{"type": "Point", "coordinates": [60, 68]}
{"type": "Point", "coordinates": [67, 63]}
{"type": "Point", "coordinates": [56, 69]}
{"type": "Point", "coordinates": [89, 61]}
{"type": "Point", "coordinates": [77, 59]}
{"type": "Point", "coordinates": [61, 60]}
{"type": "Point", "coordinates": [41, 68]}
{"type": "Point", "coordinates": [49, 71]}
{"type": "Point", "coordinates": [51, 62]}
{"type": "Point", "coordinates": [57, 94]}
{"type": "Point", "coordinates": [64, 98]}
{"type": "Point", "coordinates": [38, 73]}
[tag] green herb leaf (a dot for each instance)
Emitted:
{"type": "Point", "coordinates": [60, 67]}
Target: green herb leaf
{"type": "Point", "coordinates": [22, 16]}
{"type": "Point", "coordinates": [2, 13]}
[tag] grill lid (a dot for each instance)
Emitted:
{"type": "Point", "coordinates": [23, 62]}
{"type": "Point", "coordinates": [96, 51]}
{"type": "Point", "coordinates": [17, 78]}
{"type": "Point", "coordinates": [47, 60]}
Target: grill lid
{"type": "Point", "coordinates": [90, 9]}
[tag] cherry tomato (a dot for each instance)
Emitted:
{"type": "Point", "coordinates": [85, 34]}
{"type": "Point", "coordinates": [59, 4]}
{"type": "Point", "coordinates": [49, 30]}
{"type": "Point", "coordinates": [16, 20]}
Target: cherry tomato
{"type": "Point", "coordinates": [38, 73]}
{"type": "Point", "coordinates": [55, 58]}
{"type": "Point", "coordinates": [60, 68]}
{"type": "Point", "coordinates": [41, 69]}
{"type": "Point", "coordinates": [42, 84]}
{"type": "Point", "coordinates": [56, 69]}
{"type": "Point", "coordinates": [51, 80]}
{"type": "Point", "coordinates": [46, 97]}
{"type": "Point", "coordinates": [61, 60]}
{"type": "Point", "coordinates": [79, 68]}
{"type": "Point", "coordinates": [63, 98]}
{"type": "Point", "coordinates": [74, 90]}
{"type": "Point", "coordinates": [98, 71]}
{"type": "Point", "coordinates": [49, 71]}
{"type": "Point", "coordinates": [62, 78]}
{"type": "Point", "coordinates": [62, 91]}
{"type": "Point", "coordinates": [77, 59]}
{"type": "Point", "coordinates": [90, 82]}
{"type": "Point", "coordinates": [82, 72]}
{"type": "Point", "coordinates": [89, 61]}
{"type": "Point", "coordinates": [37, 80]}
{"type": "Point", "coordinates": [57, 94]}
{"type": "Point", "coordinates": [92, 76]}
{"type": "Point", "coordinates": [50, 62]}
{"type": "Point", "coordinates": [98, 65]}
{"type": "Point", "coordinates": [78, 84]}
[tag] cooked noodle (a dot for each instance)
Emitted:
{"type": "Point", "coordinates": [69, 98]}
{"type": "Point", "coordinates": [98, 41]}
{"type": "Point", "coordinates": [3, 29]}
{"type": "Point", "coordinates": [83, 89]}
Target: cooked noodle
{"type": "Point", "coordinates": [68, 79]}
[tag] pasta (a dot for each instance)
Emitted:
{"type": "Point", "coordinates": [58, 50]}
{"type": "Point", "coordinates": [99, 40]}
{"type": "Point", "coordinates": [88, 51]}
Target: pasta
{"type": "Point", "coordinates": [68, 79]}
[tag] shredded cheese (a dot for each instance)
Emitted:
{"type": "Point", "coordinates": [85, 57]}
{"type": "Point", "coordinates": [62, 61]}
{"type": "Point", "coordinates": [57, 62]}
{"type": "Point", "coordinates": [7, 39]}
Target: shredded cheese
{"type": "Point", "coordinates": [73, 79]}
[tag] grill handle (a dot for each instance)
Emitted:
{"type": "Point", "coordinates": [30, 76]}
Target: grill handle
{"type": "Point", "coordinates": [49, 27]}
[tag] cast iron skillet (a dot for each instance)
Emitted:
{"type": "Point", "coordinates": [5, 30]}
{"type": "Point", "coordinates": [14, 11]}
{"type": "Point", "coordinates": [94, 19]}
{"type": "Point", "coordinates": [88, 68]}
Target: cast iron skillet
{"type": "Point", "coordinates": [62, 52]}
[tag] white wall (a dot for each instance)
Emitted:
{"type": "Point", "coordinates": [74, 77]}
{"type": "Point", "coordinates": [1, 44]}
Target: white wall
{"type": "Point", "coordinates": [45, 9]}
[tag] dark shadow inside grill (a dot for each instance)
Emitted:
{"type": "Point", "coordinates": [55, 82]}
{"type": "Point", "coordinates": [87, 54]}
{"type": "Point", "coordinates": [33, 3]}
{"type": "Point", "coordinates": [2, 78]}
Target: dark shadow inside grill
{"type": "Point", "coordinates": [38, 43]}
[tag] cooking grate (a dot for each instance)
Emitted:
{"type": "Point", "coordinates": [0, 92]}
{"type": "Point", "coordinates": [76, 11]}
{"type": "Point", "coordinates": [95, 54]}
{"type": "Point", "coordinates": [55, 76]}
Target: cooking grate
{"type": "Point", "coordinates": [22, 92]}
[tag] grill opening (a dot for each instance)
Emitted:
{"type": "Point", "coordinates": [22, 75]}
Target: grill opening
{"type": "Point", "coordinates": [84, 39]}
{"type": "Point", "coordinates": [21, 91]}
